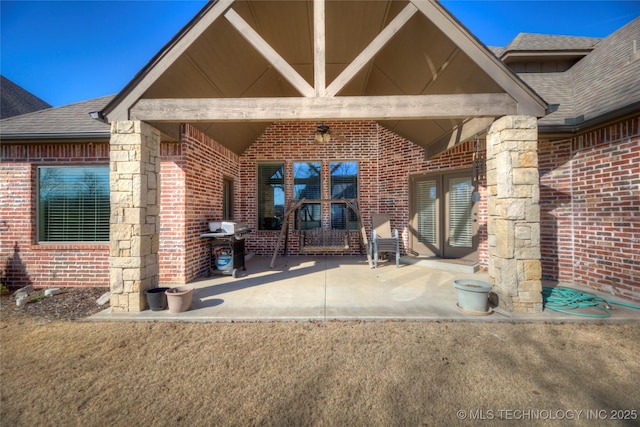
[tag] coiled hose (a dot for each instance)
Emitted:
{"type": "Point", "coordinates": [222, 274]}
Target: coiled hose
{"type": "Point", "coordinates": [566, 300]}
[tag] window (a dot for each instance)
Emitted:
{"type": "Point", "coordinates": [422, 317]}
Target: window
{"type": "Point", "coordinates": [227, 198]}
{"type": "Point", "coordinates": [344, 185]}
{"type": "Point", "coordinates": [306, 185]}
{"type": "Point", "coordinates": [443, 215]}
{"type": "Point", "coordinates": [73, 204]}
{"type": "Point", "coordinates": [460, 211]}
{"type": "Point", "coordinates": [270, 196]}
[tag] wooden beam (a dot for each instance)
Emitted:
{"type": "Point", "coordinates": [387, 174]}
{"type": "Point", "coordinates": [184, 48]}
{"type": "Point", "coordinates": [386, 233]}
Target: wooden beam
{"type": "Point", "coordinates": [269, 53]}
{"type": "Point", "coordinates": [458, 135]}
{"type": "Point", "coordinates": [403, 107]}
{"type": "Point", "coordinates": [168, 56]}
{"type": "Point", "coordinates": [319, 55]}
{"type": "Point", "coordinates": [529, 102]}
{"type": "Point", "coordinates": [371, 50]}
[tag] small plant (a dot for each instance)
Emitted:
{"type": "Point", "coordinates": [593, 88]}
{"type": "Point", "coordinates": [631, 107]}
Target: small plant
{"type": "Point", "coordinates": [3, 289]}
{"type": "Point", "coordinates": [37, 298]}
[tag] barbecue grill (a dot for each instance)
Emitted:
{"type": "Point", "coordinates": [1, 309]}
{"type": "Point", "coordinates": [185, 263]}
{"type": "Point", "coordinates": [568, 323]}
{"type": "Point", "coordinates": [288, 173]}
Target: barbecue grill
{"type": "Point", "coordinates": [227, 246]}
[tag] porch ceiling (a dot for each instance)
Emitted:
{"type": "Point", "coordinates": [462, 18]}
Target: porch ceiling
{"type": "Point", "coordinates": [217, 59]}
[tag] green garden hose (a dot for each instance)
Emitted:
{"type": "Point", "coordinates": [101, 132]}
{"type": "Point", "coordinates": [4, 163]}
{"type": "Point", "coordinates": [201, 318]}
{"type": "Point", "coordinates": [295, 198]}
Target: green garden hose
{"type": "Point", "coordinates": [566, 300]}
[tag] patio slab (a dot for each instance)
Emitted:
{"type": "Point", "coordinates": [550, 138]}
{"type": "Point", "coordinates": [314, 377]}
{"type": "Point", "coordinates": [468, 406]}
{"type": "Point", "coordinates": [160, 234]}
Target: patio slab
{"type": "Point", "coordinates": [321, 288]}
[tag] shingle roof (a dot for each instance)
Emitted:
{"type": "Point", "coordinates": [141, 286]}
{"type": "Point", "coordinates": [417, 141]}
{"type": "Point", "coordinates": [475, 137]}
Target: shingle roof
{"type": "Point", "coordinates": [602, 82]}
{"type": "Point", "coordinates": [528, 41]}
{"type": "Point", "coordinates": [68, 121]}
{"type": "Point", "coordinates": [556, 89]}
{"type": "Point", "coordinates": [607, 79]}
{"type": "Point", "coordinates": [14, 100]}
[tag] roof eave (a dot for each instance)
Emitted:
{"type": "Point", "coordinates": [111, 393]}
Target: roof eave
{"type": "Point", "coordinates": [565, 130]}
{"type": "Point", "coordinates": [140, 76]}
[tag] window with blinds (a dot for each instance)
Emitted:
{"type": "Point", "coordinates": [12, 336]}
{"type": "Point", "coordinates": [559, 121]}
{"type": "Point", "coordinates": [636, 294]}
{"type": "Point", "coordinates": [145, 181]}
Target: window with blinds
{"type": "Point", "coordinates": [460, 206]}
{"type": "Point", "coordinates": [307, 185]}
{"type": "Point", "coordinates": [73, 204]}
{"type": "Point", "coordinates": [344, 185]}
{"type": "Point", "coordinates": [427, 210]}
{"type": "Point", "coordinates": [270, 196]}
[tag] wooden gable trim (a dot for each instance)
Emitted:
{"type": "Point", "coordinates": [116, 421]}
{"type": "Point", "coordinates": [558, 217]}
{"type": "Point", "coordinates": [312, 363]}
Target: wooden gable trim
{"type": "Point", "coordinates": [269, 53]}
{"type": "Point", "coordinates": [371, 50]}
{"type": "Point", "coordinates": [118, 109]}
{"type": "Point", "coordinates": [529, 103]}
{"type": "Point", "coordinates": [321, 102]}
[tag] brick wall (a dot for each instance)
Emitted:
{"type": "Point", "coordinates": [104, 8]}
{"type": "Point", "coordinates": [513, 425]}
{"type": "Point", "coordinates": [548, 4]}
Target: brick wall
{"type": "Point", "coordinates": [206, 163]}
{"type": "Point", "coordinates": [22, 260]}
{"type": "Point", "coordinates": [191, 191]}
{"type": "Point", "coordinates": [400, 159]}
{"type": "Point", "coordinates": [385, 161]}
{"type": "Point", "coordinates": [171, 255]}
{"type": "Point", "coordinates": [590, 209]}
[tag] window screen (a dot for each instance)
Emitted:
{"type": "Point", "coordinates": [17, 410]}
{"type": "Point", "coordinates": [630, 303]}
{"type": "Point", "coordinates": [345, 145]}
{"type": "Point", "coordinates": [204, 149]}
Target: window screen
{"type": "Point", "coordinates": [73, 204]}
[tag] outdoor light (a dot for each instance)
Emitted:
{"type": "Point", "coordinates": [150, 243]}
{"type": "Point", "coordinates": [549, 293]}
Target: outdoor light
{"type": "Point", "coordinates": [322, 133]}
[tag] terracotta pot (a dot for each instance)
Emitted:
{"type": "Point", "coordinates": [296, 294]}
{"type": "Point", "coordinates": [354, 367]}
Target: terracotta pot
{"type": "Point", "coordinates": [179, 298]}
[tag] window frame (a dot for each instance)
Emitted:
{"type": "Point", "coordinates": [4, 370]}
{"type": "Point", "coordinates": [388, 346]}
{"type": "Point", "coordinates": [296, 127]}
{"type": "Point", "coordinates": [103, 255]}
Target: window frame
{"type": "Point", "coordinates": [259, 209]}
{"type": "Point", "coordinates": [307, 208]}
{"type": "Point", "coordinates": [351, 223]}
{"type": "Point", "coordinates": [39, 214]}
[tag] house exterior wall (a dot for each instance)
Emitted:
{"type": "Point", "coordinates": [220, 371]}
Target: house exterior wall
{"type": "Point", "coordinates": [191, 195]}
{"type": "Point", "coordinates": [386, 162]}
{"type": "Point", "coordinates": [23, 260]}
{"type": "Point", "coordinates": [400, 159]}
{"type": "Point", "coordinates": [205, 164]}
{"type": "Point", "coordinates": [589, 188]}
{"type": "Point", "coordinates": [590, 209]}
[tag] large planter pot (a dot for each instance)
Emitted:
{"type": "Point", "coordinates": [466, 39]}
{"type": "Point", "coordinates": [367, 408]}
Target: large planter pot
{"type": "Point", "coordinates": [473, 296]}
{"type": "Point", "coordinates": [179, 298]}
{"type": "Point", "coordinates": [156, 298]}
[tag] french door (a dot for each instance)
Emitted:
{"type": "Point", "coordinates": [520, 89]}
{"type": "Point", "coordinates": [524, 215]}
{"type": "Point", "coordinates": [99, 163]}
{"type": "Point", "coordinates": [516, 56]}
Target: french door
{"type": "Point", "coordinates": [444, 219]}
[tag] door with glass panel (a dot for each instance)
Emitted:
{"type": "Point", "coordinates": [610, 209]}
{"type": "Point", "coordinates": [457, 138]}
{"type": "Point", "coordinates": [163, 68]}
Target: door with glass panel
{"type": "Point", "coordinates": [444, 216]}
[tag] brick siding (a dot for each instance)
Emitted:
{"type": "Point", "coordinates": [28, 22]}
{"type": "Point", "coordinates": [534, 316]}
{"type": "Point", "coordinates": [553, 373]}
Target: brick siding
{"type": "Point", "coordinates": [589, 200]}
{"type": "Point", "coordinates": [590, 205]}
{"type": "Point", "coordinates": [385, 163]}
{"type": "Point", "coordinates": [22, 260]}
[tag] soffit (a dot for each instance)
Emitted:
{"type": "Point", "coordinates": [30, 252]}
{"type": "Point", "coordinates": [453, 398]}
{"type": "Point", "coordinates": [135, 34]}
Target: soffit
{"type": "Point", "coordinates": [418, 60]}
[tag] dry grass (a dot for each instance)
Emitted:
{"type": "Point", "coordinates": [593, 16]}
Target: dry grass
{"type": "Point", "coordinates": [393, 373]}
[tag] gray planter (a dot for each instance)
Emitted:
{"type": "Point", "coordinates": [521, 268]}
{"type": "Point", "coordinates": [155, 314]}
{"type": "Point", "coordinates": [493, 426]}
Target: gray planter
{"type": "Point", "coordinates": [473, 296]}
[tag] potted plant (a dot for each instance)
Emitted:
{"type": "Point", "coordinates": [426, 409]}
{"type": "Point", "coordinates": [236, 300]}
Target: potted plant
{"type": "Point", "coordinates": [156, 298]}
{"type": "Point", "coordinates": [473, 296]}
{"type": "Point", "coordinates": [179, 298]}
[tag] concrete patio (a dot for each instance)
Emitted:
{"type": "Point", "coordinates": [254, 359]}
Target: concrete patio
{"type": "Point", "coordinates": [319, 288]}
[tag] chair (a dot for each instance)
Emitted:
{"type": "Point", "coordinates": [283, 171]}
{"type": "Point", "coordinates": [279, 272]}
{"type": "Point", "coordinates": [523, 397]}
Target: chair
{"type": "Point", "coordinates": [383, 239]}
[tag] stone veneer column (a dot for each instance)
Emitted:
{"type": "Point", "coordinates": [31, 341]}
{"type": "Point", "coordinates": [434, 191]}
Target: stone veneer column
{"type": "Point", "coordinates": [515, 271]}
{"type": "Point", "coordinates": [135, 205]}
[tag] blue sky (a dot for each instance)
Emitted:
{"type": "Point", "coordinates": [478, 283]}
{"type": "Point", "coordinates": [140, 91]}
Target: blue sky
{"type": "Point", "coordinates": [65, 52]}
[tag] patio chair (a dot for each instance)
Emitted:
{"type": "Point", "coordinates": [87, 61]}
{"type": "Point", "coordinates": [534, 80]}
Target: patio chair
{"type": "Point", "coordinates": [383, 239]}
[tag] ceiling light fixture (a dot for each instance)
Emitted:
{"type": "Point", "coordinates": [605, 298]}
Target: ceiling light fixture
{"type": "Point", "coordinates": [322, 133]}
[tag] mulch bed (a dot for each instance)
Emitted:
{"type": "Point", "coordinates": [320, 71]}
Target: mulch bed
{"type": "Point", "coordinates": [70, 304]}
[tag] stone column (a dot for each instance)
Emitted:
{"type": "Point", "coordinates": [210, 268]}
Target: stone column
{"type": "Point", "coordinates": [513, 223]}
{"type": "Point", "coordinates": [135, 205]}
